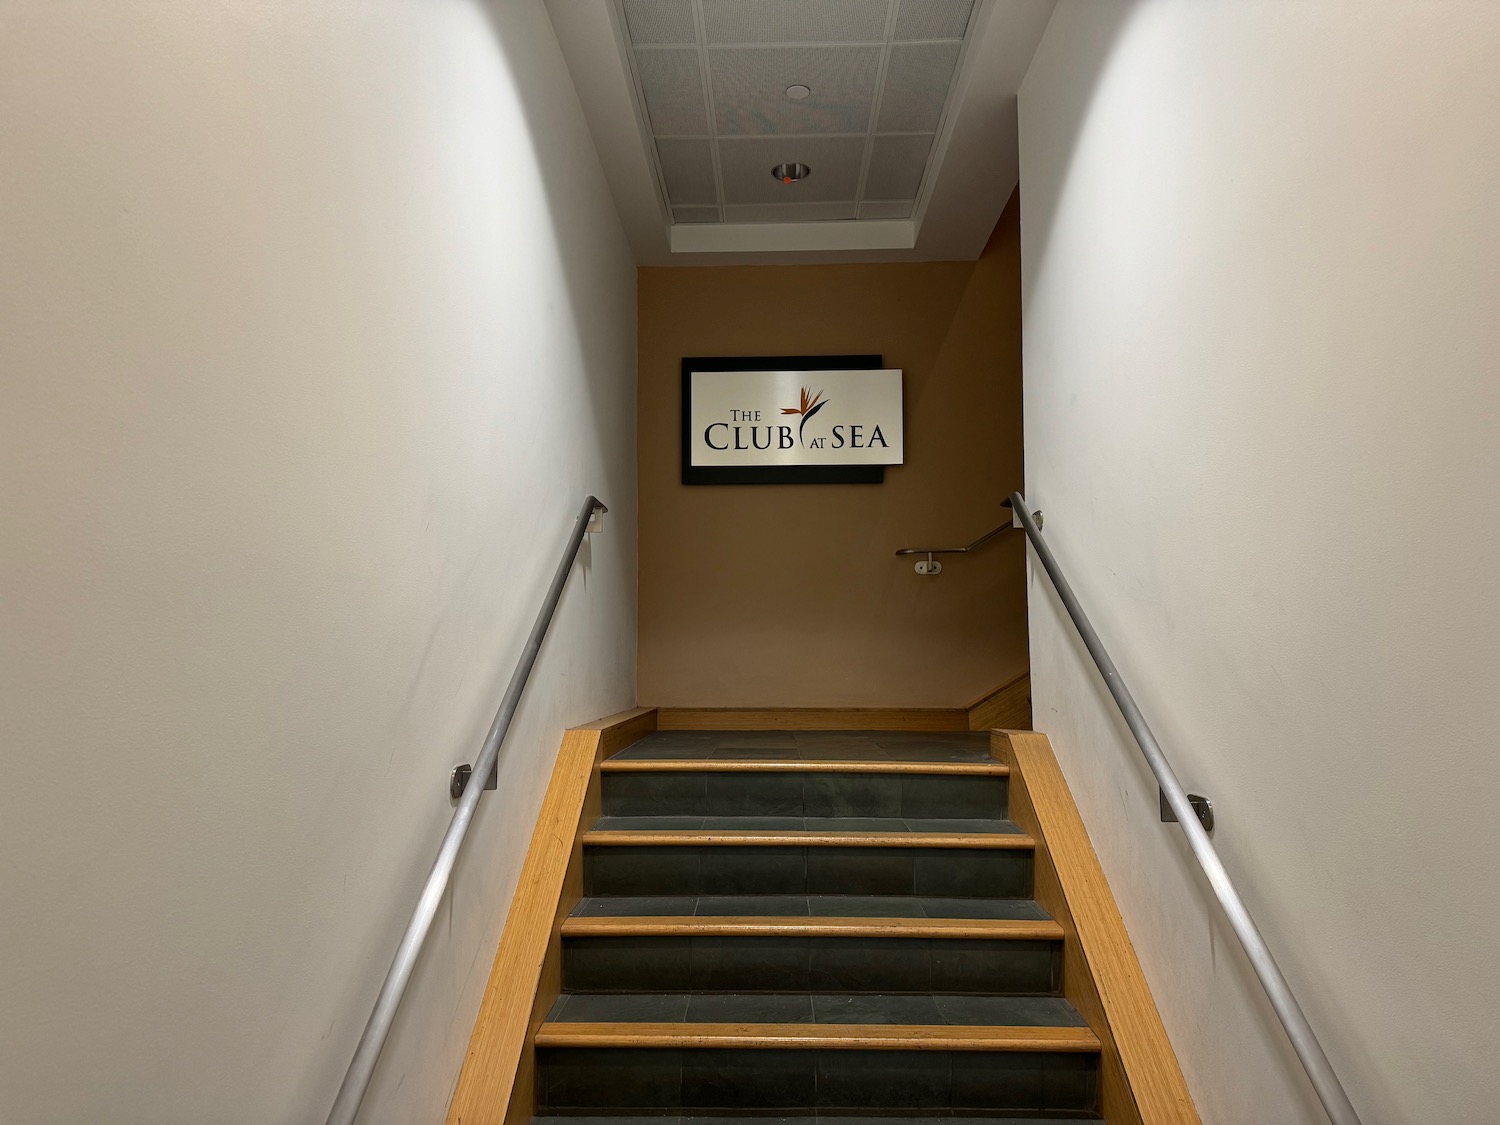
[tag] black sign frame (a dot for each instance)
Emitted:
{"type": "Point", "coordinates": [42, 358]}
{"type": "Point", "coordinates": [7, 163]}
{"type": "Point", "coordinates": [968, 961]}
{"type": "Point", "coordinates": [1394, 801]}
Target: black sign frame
{"type": "Point", "coordinates": [771, 474]}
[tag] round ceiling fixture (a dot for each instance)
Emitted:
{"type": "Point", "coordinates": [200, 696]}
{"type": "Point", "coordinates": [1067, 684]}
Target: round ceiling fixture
{"type": "Point", "coordinates": [791, 173]}
{"type": "Point", "coordinates": [797, 93]}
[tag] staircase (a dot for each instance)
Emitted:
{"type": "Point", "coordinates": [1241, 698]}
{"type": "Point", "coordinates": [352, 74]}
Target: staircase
{"type": "Point", "coordinates": [810, 924]}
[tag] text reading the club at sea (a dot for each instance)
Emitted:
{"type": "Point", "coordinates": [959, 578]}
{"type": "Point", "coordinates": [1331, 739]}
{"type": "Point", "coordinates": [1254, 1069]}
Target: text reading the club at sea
{"type": "Point", "coordinates": [746, 423]}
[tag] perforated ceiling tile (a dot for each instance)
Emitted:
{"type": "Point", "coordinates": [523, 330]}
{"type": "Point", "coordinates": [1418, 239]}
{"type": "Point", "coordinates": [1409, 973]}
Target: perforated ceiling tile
{"type": "Point", "coordinates": [747, 165]}
{"type": "Point", "coordinates": [896, 167]}
{"type": "Point", "coordinates": [673, 85]}
{"type": "Point", "coordinates": [652, 22]}
{"type": "Point", "coordinates": [916, 87]}
{"type": "Point", "coordinates": [721, 118]}
{"type": "Point", "coordinates": [687, 167]}
{"type": "Point", "coordinates": [750, 85]}
{"type": "Point", "coordinates": [794, 21]}
{"type": "Point", "coordinates": [933, 19]}
{"type": "Point", "coordinates": [886, 209]}
{"type": "Point", "coordinates": [789, 212]}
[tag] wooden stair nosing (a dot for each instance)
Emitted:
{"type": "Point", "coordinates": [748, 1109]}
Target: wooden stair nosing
{"type": "Point", "coordinates": [794, 837]}
{"type": "Point", "coordinates": [853, 1037]}
{"type": "Point", "coordinates": [798, 765]}
{"type": "Point", "coordinates": [986, 929]}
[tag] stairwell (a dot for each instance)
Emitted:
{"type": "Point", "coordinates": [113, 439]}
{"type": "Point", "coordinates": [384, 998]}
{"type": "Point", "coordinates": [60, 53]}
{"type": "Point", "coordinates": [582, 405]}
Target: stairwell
{"type": "Point", "coordinates": [811, 924]}
{"type": "Point", "coordinates": [814, 915]}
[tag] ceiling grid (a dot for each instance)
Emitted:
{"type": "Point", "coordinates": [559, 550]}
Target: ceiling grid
{"type": "Point", "coordinates": [701, 33]}
{"type": "Point", "coordinates": [885, 66]}
{"type": "Point", "coordinates": [712, 78]}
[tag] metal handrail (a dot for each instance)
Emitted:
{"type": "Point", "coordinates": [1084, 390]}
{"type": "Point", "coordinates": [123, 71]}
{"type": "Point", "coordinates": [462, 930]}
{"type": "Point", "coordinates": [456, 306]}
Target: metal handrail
{"type": "Point", "coordinates": [932, 566]}
{"type": "Point", "coordinates": [1330, 1091]}
{"type": "Point", "coordinates": [362, 1066]}
{"type": "Point", "coordinates": [980, 542]}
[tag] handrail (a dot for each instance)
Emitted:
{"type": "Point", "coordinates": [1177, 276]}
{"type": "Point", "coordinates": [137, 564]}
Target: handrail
{"type": "Point", "coordinates": [932, 566]}
{"type": "Point", "coordinates": [980, 542]}
{"type": "Point", "coordinates": [362, 1066]}
{"type": "Point", "coordinates": [1330, 1092]}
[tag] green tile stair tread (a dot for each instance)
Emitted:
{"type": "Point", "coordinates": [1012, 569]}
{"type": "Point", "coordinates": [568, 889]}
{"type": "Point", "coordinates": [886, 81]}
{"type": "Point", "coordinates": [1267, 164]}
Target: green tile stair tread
{"type": "Point", "coordinates": [649, 823]}
{"type": "Point", "coordinates": [821, 906]}
{"type": "Point", "coordinates": [982, 908]}
{"type": "Point", "coordinates": [749, 823]}
{"type": "Point", "coordinates": [760, 906]}
{"type": "Point", "coordinates": [636, 906]}
{"type": "Point", "coordinates": [817, 1008]}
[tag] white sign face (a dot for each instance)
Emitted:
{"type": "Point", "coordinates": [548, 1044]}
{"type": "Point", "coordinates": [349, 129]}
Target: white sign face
{"type": "Point", "coordinates": [795, 418]}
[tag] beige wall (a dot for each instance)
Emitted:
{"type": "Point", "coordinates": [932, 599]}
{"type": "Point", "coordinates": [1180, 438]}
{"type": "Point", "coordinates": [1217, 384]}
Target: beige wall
{"type": "Point", "coordinates": [791, 595]}
{"type": "Point", "coordinates": [316, 326]}
{"type": "Point", "coordinates": [1262, 400]}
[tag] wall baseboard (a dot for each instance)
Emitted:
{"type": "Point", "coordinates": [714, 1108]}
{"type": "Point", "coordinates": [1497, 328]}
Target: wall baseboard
{"type": "Point", "coordinates": [1005, 708]}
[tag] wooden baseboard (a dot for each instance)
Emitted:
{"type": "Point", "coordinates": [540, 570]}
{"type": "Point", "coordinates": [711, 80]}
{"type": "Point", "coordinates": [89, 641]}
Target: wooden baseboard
{"type": "Point", "coordinates": [496, 1084]}
{"type": "Point", "coordinates": [1140, 1081]}
{"type": "Point", "coordinates": [1005, 708]}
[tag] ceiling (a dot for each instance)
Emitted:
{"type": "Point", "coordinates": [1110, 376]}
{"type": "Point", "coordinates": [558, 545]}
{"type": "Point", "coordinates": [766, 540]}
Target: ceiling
{"type": "Point", "coordinates": [905, 120]}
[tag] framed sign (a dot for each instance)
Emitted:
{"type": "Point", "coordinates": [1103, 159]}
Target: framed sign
{"type": "Point", "coordinates": [790, 419]}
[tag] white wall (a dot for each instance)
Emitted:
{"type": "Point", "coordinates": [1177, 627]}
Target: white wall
{"type": "Point", "coordinates": [316, 325]}
{"type": "Point", "coordinates": [1263, 419]}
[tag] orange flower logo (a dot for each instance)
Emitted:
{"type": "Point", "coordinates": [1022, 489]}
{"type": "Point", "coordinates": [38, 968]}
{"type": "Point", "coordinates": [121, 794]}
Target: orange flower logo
{"type": "Point", "coordinates": [810, 405]}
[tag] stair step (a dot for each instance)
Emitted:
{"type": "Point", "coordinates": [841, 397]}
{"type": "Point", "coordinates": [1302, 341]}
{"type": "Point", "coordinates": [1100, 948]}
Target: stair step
{"type": "Point", "coordinates": [810, 1119]}
{"type": "Point", "coordinates": [784, 763]}
{"type": "Point", "coordinates": [816, 1070]}
{"type": "Point", "coordinates": [993, 835]}
{"type": "Point", "coordinates": [822, 1037]}
{"type": "Point", "coordinates": [917, 1013]}
{"type": "Point", "coordinates": [990, 929]}
{"type": "Point", "coordinates": [799, 906]}
{"type": "Point", "coordinates": [747, 745]}
{"type": "Point", "coordinates": [816, 1118]}
{"type": "Point", "coordinates": [790, 863]}
{"type": "Point", "coordinates": [808, 955]}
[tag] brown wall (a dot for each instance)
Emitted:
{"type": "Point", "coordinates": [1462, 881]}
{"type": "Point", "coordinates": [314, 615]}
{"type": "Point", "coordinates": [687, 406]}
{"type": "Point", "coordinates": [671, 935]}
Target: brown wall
{"type": "Point", "coordinates": [790, 595]}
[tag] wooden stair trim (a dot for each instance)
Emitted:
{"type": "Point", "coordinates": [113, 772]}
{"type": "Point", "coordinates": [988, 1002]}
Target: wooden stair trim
{"type": "Point", "coordinates": [1007, 707]}
{"type": "Point", "coordinates": [825, 1036]}
{"type": "Point", "coordinates": [792, 838]}
{"type": "Point", "coordinates": [495, 1084]}
{"type": "Point", "coordinates": [813, 718]}
{"type": "Point", "coordinates": [987, 929]}
{"type": "Point", "coordinates": [1140, 1080]}
{"type": "Point", "coordinates": [734, 765]}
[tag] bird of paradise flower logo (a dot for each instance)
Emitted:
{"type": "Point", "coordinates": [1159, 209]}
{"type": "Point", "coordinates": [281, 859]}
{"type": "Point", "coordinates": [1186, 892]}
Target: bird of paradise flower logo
{"type": "Point", "coordinates": [809, 405]}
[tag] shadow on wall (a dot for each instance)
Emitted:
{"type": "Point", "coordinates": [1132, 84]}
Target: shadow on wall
{"type": "Point", "coordinates": [571, 202]}
{"type": "Point", "coordinates": [1107, 25]}
{"type": "Point", "coordinates": [575, 347]}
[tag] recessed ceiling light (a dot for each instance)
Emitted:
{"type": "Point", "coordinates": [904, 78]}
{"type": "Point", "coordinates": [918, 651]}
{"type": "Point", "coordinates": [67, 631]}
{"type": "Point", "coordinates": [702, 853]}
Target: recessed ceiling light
{"type": "Point", "coordinates": [797, 93]}
{"type": "Point", "coordinates": [791, 173]}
